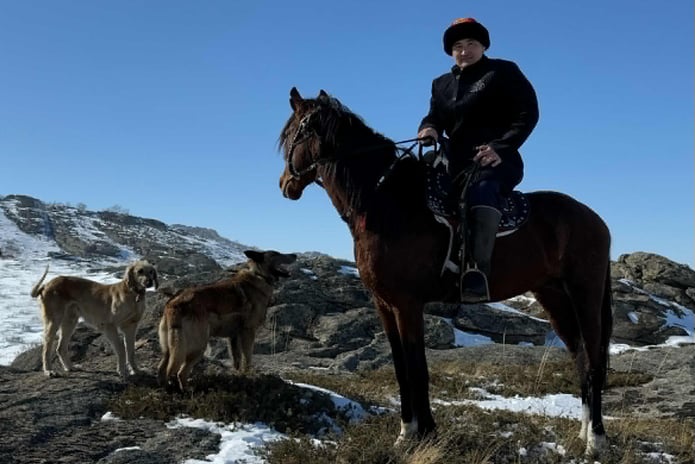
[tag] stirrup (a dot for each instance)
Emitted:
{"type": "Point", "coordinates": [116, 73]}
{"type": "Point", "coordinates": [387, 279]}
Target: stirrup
{"type": "Point", "coordinates": [473, 286]}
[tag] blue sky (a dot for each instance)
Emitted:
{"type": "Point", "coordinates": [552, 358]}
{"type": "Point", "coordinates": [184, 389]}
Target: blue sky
{"type": "Point", "coordinates": [172, 109]}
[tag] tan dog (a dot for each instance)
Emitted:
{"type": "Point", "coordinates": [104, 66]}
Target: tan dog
{"type": "Point", "coordinates": [233, 308]}
{"type": "Point", "coordinates": [109, 308]}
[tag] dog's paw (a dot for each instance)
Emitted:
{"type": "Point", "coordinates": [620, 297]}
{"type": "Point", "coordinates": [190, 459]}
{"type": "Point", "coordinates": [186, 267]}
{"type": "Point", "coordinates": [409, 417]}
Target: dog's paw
{"type": "Point", "coordinates": [51, 373]}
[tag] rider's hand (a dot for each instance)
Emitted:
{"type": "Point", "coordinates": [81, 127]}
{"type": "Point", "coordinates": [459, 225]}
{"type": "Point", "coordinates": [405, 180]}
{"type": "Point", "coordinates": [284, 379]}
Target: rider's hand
{"type": "Point", "coordinates": [429, 136]}
{"type": "Point", "coordinates": [487, 156]}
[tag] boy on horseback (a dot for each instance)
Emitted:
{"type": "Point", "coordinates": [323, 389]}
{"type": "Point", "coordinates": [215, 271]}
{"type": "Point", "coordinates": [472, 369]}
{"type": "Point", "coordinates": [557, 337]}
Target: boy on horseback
{"type": "Point", "coordinates": [488, 109]}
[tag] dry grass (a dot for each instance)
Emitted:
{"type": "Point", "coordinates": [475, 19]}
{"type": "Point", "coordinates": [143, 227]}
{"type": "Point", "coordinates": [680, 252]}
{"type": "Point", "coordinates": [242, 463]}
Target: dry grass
{"type": "Point", "coordinates": [452, 380]}
{"type": "Point", "coordinates": [234, 398]}
{"type": "Point", "coordinates": [469, 435]}
{"type": "Point", "coordinates": [465, 434]}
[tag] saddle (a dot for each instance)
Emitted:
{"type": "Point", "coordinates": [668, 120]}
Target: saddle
{"type": "Point", "coordinates": [443, 201]}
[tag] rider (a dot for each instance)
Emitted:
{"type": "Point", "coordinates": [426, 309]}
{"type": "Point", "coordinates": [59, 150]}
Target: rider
{"type": "Point", "coordinates": [488, 109]}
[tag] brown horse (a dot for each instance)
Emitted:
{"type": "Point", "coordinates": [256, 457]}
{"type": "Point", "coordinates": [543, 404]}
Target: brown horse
{"type": "Point", "coordinates": [561, 254]}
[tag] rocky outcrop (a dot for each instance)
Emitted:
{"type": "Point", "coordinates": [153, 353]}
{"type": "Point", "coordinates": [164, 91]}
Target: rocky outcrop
{"type": "Point", "coordinates": [651, 299]}
{"type": "Point", "coordinates": [324, 311]}
{"type": "Point", "coordinates": [321, 317]}
{"type": "Point", "coordinates": [657, 275]}
{"type": "Point", "coordinates": [116, 236]}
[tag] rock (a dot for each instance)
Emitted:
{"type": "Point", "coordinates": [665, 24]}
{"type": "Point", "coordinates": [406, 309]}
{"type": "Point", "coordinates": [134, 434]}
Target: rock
{"type": "Point", "coordinates": [690, 292]}
{"type": "Point", "coordinates": [501, 326]}
{"type": "Point", "coordinates": [527, 304]}
{"type": "Point", "coordinates": [643, 267]}
{"type": "Point", "coordinates": [295, 320]}
{"type": "Point", "coordinates": [349, 330]}
{"type": "Point", "coordinates": [671, 392]}
{"type": "Point", "coordinates": [372, 356]}
{"type": "Point", "coordinates": [638, 319]}
{"type": "Point", "coordinates": [439, 334]}
{"type": "Point", "coordinates": [447, 310]}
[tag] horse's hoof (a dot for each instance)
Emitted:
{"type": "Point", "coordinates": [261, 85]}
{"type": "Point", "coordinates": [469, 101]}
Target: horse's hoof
{"type": "Point", "coordinates": [582, 433]}
{"type": "Point", "coordinates": [408, 432]}
{"type": "Point", "coordinates": [594, 445]}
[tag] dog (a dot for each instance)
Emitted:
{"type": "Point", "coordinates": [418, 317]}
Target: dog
{"type": "Point", "coordinates": [233, 308]}
{"type": "Point", "coordinates": [109, 308]}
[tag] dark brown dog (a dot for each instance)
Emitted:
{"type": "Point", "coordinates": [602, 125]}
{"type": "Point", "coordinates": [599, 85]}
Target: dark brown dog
{"type": "Point", "coordinates": [233, 308]}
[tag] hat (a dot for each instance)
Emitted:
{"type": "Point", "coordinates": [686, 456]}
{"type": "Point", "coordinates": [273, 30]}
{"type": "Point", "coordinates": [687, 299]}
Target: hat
{"type": "Point", "coordinates": [465, 28]}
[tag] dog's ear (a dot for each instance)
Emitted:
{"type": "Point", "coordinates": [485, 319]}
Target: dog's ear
{"type": "Point", "coordinates": [130, 280]}
{"type": "Point", "coordinates": [253, 255]}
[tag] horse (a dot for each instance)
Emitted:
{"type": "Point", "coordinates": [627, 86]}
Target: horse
{"type": "Point", "coordinates": [561, 254]}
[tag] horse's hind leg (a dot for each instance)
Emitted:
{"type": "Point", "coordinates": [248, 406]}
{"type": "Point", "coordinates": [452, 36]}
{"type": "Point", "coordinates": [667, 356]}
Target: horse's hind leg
{"type": "Point", "coordinates": [588, 301]}
{"type": "Point", "coordinates": [557, 303]}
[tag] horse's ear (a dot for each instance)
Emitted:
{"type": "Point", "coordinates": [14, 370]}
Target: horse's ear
{"type": "Point", "coordinates": [295, 98]}
{"type": "Point", "coordinates": [323, 96]}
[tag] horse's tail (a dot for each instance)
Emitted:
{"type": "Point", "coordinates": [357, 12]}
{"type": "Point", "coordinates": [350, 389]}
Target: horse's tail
{"type": "Point", "coordinates": [606, 320]}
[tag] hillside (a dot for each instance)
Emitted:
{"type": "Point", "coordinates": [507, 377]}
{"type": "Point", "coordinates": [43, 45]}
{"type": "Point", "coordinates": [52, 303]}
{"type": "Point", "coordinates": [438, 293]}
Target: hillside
{"type": "Point", "coordinates": [322, 321]}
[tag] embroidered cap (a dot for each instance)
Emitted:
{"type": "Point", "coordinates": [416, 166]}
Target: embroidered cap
{"type": "Point", "coordinates": [465, 28]}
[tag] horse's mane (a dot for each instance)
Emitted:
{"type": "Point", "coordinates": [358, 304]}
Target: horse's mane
{"type": "Point", "coordinates": [360, 157]}
{"type": "Point", "coordinates": [334, 119]}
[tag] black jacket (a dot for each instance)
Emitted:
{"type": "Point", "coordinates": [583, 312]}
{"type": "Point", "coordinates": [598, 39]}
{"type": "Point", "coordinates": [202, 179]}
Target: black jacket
{"type": "Point", "coordinates": [489, 102]}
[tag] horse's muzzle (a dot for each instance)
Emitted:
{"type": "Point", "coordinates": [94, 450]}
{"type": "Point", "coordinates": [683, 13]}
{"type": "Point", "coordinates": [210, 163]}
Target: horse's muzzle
{"type": "Point", "coordinates": [287, 192]}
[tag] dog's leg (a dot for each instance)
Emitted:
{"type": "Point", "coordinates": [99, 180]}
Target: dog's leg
{"type": "Point", "coordinates": [186, 368]}
{"type": "Point", "coordinates": [247, 339]}
{"type": "Point", "coordinates": [164, 345]}
{"type": "Point", "coordinates": [111, 334]}
{"type": "Point", "coordinates": [129, 339]}
{"type": "Point", "coordinates": [234, 348]}
{"type": "Point", "coordinates": [67, 327]}
{"type": "Point", "coordinates": [49, 335]}
{"type": "Point", "coordinates": [162, 370]}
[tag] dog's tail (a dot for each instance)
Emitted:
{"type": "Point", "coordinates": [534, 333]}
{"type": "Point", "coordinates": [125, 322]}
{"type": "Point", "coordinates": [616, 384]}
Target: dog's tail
{"type": "Point", "coordinates": [38, 288]}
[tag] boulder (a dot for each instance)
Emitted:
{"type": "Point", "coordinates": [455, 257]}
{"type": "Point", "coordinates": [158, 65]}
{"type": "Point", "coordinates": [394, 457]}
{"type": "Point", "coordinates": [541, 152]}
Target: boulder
{"type": "Point", "coordinates": [502, 325]}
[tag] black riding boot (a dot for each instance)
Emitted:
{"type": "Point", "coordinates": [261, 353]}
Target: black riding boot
{"type": "Point", "coordinates": [484, 223]}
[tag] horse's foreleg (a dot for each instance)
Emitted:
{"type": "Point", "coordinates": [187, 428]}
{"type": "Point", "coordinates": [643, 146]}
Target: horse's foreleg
{"type": "Point", "coordinates": [388, 321]}
{"type": "Point", "coordinates": [412, 335]}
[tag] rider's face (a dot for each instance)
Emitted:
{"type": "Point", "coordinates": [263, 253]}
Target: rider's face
{"type": "Point", "coordinates": [466, 52]}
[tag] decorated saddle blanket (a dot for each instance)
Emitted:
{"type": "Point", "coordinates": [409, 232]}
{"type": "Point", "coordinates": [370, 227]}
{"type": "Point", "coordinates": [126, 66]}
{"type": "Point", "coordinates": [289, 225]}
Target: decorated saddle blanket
{"type": "Point", "coordinates": [443, 202]}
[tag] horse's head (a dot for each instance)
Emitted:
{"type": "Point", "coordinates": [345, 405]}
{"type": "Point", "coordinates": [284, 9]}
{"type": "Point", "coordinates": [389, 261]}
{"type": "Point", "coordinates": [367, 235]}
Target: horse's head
{"type": "Point", "coordinates": [301, 141]}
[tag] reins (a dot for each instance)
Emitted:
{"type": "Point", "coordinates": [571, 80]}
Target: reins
{"type": "Point", "coordinates": [302, 135]}
{"type": "Point", "coordinates": [404, 153]}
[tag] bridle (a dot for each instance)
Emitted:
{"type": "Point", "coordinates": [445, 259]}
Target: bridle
{"type": "Point", "coordinates": [305, 131]}
{"type": "Point", "coordinates": [301, 135]}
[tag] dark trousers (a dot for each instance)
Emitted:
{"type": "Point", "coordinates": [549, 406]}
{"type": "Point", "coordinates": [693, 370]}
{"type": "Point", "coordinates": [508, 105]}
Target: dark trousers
{"type": "Point", "coordinates": [490, 184]}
